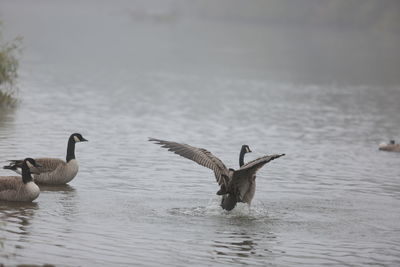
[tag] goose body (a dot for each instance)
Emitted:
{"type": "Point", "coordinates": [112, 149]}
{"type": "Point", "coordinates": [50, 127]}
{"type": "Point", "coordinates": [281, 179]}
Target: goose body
{"type": "Point", "coordinates": [19, 188]}
{"type": "Point", "coordinates": [235, 185]}
{"type": "Point", "coordinates": [55, 171]}
{"type": "Point", "coordinates": [392, 146]}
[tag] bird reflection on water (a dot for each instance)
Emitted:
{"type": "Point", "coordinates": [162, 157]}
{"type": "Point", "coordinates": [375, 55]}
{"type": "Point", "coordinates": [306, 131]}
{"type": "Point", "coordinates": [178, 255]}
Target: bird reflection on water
{"type": "Point", "coordinates": [238, 244]}
{"type": "Point", "coordinates": [15, 223]}
{"type": "Point", "coordinates": [64, 188]}
{"type": "Point", "coordinates": [235, 245]}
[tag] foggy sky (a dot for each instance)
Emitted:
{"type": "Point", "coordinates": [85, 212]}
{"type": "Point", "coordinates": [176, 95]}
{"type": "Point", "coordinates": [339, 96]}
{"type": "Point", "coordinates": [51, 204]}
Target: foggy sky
{"type": "Point", "coordinates": [331, 41]}
{"type": "Point", "coordinates": [356, 41]}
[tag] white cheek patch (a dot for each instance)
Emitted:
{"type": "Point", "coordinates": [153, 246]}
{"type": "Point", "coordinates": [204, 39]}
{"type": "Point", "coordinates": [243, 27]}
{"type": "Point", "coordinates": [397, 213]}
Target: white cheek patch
{"type": "Point", "coordinates": [76, 139]}
{"type": "Point", "coordinates": [29, 165]}
{"type": "Point", "coordinates": [247, 149]}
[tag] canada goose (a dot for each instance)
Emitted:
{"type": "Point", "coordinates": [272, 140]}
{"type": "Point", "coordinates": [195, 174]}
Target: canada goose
{"type": "Point", "coordinates": [17, 188]}
{"type": "Point", "coordinates": [53, 170]}
{"type": "Point", "coordinates": [235, 185]}
{"type": "Point", "coordinates": [392, 146]}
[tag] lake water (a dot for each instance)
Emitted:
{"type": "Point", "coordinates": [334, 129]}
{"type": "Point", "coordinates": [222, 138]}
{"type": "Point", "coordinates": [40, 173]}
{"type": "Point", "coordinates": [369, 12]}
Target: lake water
{"type": "Point", "coordinates": [334, 199]}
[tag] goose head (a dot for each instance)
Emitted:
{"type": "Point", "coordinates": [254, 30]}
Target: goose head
{"type": "Point", "coordinates": [245, 149]}
{"type": "Point", "coordinates": [392, 142]}
{"type": "Point", "coordinates": [77, 137]}
{"type": "Point", "coordinates": [31, 165]}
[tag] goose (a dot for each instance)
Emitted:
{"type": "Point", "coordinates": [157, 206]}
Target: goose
{"type": "Point", "coordinates": [392, 146]}
{"type": "Point", "coordinates": [235, 185]}
{"type": "Point", "coordinates": [55, 171]}
{"type": "Point", "coordinates": [17, 188]}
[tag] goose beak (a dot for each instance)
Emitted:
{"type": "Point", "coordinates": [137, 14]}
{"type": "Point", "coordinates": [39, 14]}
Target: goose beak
{"type": "Point", "coordinates": [84, 140]}
{"type": "Point", "coordinates": [37, 165]}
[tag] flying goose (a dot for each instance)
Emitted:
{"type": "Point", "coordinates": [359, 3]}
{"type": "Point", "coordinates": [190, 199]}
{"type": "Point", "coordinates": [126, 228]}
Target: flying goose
{"type": "Point", "coordinates": [392, 146]}
{"type": "Point", "coordinates": [235, 185]}
{"type": "Point", "coordinates": [55, 171]}
{"type": "Point", "coordinates": [17, 188]}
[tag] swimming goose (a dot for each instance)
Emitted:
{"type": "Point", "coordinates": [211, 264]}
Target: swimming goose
{"type": "Point", "coordinates": [235, 185]}
{"type": "Point", "coordinates": [392, 146]}
{"type": "Point", "coordinates": [17, 188]}
{"type": "Point", "coordinates": [53, 170]}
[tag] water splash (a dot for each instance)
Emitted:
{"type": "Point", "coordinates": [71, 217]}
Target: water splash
{"type": "Point", "coordinates": [213, 209]}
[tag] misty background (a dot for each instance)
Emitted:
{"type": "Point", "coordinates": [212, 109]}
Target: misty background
{"type": "Point", "coordinates": [348, 42]}
{"type": "Point", "coordinates": [316, 80]}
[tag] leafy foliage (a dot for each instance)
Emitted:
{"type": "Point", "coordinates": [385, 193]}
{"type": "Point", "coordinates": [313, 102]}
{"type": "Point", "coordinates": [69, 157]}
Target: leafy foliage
{"type": "Point", "coordinates": [8, 70]}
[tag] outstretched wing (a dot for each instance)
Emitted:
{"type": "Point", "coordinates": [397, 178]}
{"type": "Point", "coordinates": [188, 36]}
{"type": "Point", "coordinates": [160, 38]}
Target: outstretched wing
{"type": "Point", "coordinates": [200, 156]}
{"type": "Point", "coordinates": [242, 180]}
{"type": "Point", "coordinates": [251, 167]}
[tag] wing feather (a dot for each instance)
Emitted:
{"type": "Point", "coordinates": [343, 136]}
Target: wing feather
{"type": "Point", "coordinates": [201, 156]}
{"type": "Point", "coordinates": [253, 166]}
{"type": "Point", "coordinates": [9, 182]}
{"type": "Point", "coordinates": [243, 178]}
{"type": "Point", "coordinates": [47, 164]}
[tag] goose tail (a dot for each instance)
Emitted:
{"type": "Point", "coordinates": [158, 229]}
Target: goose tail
{"type": "Point", "coordinates": [13, 167]}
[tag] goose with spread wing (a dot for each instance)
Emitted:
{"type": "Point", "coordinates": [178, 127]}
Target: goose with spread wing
{"type": "Point", "coordinates": [235, 185]}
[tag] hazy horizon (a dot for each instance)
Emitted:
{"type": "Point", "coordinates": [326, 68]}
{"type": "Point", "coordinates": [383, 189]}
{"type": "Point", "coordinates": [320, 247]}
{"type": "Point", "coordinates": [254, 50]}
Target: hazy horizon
{"type": "Point", "coordinates": [342, 42]}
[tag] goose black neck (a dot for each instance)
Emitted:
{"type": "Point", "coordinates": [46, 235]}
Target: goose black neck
{"type": "Point", "coordinates": [241, 157]}
{"type": "Point", "coordinates": [71, 149]}
{"type": "Point", "coordinates": [26, 174]}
